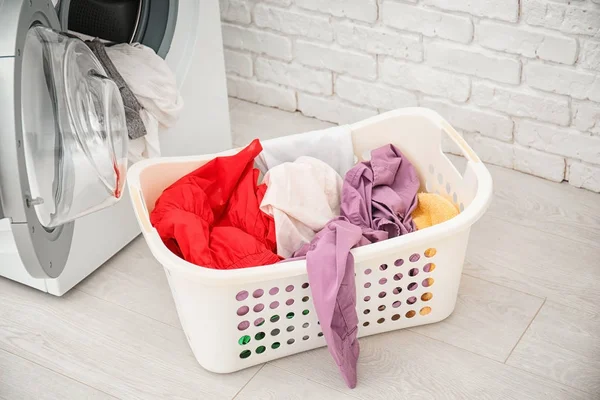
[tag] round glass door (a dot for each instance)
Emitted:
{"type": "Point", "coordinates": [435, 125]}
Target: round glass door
{"type": "Point", "coordinates": [74, 131]}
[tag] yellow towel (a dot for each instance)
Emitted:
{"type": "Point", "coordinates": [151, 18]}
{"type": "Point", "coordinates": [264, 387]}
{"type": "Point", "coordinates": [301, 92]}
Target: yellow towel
{"type": "Point", "coordinates": [432, 209]}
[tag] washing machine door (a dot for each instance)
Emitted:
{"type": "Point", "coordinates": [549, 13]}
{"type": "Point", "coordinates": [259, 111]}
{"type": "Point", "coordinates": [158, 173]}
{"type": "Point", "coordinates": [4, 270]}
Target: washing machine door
{"type": "Point", "coordinates": [70, 139]}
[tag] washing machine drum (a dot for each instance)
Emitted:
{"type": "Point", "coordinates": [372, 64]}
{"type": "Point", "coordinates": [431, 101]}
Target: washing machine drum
{"type": "Point", "coordinates": [73, 127]}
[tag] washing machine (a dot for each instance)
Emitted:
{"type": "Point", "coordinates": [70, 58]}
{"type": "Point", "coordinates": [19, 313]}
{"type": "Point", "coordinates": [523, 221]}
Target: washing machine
{"type": "Point", "coordinates": [62, 129]}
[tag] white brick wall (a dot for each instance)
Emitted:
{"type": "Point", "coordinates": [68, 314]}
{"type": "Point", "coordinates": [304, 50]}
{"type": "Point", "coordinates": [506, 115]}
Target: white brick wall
{"type": "Point", "coordinates": [520, 79]}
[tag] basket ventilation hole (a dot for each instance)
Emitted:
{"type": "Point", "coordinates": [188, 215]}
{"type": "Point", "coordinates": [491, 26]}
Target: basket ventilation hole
{"type": "Point", "coordinates": [448, 188]}
{"type": "Point", "coordinates": [242, 326]}
{"type": "Point", "coordinates": [259, 307]}
{"type": "Point", "coordinates": [429, 267]}
{"type": "Point", "coordinates": [274, 305]}
{"type": "Point", "coordinates": [367, 285]}
{"type": "Point", "coordinates": [291, 341]}
{"type": "Point", "coordinates": [367, 298]}
{"type": "Point", "coordinates": [381, 307]}
{"type": "Point", "coordinates": [382, 281]}
{"type": "Point", "coordinates": [430, 252]}
{"type": "Point", "coordinates": [289, 302]}
{"type": "Point", "coordinates": [411, 300]}
{"type": "Point", "coordinates": [244, 340]}
{"type": "Point", "coordinates": [414, 257]}
{"type": "Point", "coordinates": [382, 295]}
{"type": "Point", "coordinates": [383, 267]}
{"type": "Point", "coordinates": [368, 271]}
{"type": "Point", "coordinates": [427, 282]}
{"type": "Point", "coordinates": [381, 320]}
{"type": "Point", "coordinates": [275, 318]}
{"type": "Point", "coordinates": [259, 336]}
{"type": "Point", "coordinates": [366, 311]}
{"type": "Point", "coordinates": [305, 299]}
{"type": "Point", "coordinates": [245, 354]}
{"type": "Point", "coordinates": [431, 169]}
{"type": "Point", "coordinates": [305, 285]}
{"type": "Point", "coordinates": [243, 295]}
{"type": "Point", "coordinates": [260, 349]}
{"type": "Point", "coordinates": [412, 286]}
{"type": "Point", "coordinates": [426, 296]}
{"type": "Point", "coordinates": [396, 304]}
{"type": "Point", "coordinates": [305, 325]}
{"type": "Point", "coordinates": [455, 197]}
{"type": "Point", "coordinates": [397, 290]}
{"type": "Point", "coordinates": [398, 276]}
{"type": "Point", "coordinates": [425, 310]}
{"type": "Point", "coordinates": [289, 288]}
{"type": "Point", "coordinates": [259, 321]}
{"type": "Point", "coordinates": [290, 315]}
{"type": "Point", "coordinates": [366, 323]}
{"type": "Point", "coordinates": [305, 312]}
{"type": "Point", "coordinates": [410, 314]}
{"type": "Point", "coordinates": [440, 178]}
{"type": "Point", "coordinates": [275, 345]}
{"type": "Point", "coordinates": [413, 272]}
{"type": "Point", "coordinates": [461, 207]}
{"type": "Point", "coordinates": [305, 337]}
{"type": "Point", "coordinates": [275, 332]}
{"type": "Point", "coordinates": [320, 334]}
{"type": "Point", "coordinates": [274, 291]}
{"type": "Point", "coordinates": [290, 328]}
{"type": "Point", "coordinates": [258, 293]}
{"type": "Point", "coordinates": [399, 262]}
{"type": "Point", "coordinates": [395, 317]}
{"type": "Point", "coordinates": [243, 310]}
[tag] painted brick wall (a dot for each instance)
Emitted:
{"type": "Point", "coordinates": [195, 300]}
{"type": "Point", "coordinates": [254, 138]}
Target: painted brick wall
{"type": "Point", "coordinates": [519, 78]}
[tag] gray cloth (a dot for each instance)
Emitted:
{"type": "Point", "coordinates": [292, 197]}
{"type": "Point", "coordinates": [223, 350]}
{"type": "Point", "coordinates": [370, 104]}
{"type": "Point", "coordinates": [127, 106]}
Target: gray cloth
{"type": "Point", "coordinates": [135, 125]}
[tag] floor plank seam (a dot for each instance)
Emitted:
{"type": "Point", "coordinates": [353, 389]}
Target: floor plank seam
{"type": "Point", "coordinates": [503, 286]}
{"type": "Point", "coordinates": [58, 373]}
{"type": "Point", "coordinates": [249, 380]}
{"type": "Point", "coordinates": [178, 326]}
{"type": "Point", "coordinates": [525, 331]}
{"type": "Point", "coordinates": [313, 381]}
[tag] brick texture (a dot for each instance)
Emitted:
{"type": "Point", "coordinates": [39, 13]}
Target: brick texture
{"type": "Point", "coordinates": [520, 79]}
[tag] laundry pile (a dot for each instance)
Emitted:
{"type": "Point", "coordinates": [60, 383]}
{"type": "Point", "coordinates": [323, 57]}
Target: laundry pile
{"type": "Point", "coordinates": [149, 92]}
{"type": "Point", "coordinates": [219, 216]}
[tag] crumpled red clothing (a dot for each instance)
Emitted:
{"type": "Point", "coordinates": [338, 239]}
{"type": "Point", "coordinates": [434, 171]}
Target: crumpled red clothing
{"type": "Point", "coordinates": [211, 216]}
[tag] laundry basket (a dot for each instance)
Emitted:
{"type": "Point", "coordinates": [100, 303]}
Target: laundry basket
{"type": "Point", "coordinates": [234, 319]}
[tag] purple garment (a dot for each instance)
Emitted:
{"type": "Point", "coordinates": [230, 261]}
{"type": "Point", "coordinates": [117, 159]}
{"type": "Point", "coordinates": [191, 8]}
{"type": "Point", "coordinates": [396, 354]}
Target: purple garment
{"type": "Point", "coordinates": [378, 197]}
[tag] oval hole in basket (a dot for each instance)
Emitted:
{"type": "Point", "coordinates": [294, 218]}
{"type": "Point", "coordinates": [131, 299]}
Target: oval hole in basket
{"type": "Point", "coordinates": [305, 337]}
{"type": "Point", "coordinates": [243, 310]}
{"type": "Point", "coordinates": [259, 307]}
{"type": "Point", "coordinates": [245, 354]}
{"type": "Point", "coordinates": [320, 334]}
{"type": "Point", "coordinates": [305, 299]}
{"type": "Point", "coordinates": [413, 272]}
{"type": "Point", "coordinates": [290, 328]}
{"type": "Point", "coordinates": [427, 282]}
{"type": "Point", "coordinates": [429, 267]}
{"type": "Point", "coordinates": [367, 298]}
{"type": "Point", "coordinates": [367, 311]}
{"type": "Point", "coordinates": [366, 323]}
{"type": "Point", "coordinates": [440, 178]}
{"type": "Point", "coordinates": [431, 169]}
{"type": "Point", "coordinates": [275, 332]}
{"type": "Point", "coordinates": [399, 262]}
{"type": "Point", "coordinates": [382, 281]}
{"type": "Point", "coordinates": [305, 325]}
{"type": "Point", "coordinates": [426, 296]}
{"type": "Point", "coordinates": [412, 286]}
{"type": "Point", "coordinates": [414, 257]}
{"type": "Point", "coordinates": [430, 252]}
{"type": "Point", "coordinates": [398, 276]}
{"type": "Point", "coordinates": [259, 322]}
{"type": "Point", "coordinates": [395, 317]}
{"type": "Point", "coordinates": [274, 305]}
{"type": "Point", "coordinates": [242, 326]}
{"type": "Point", "coordinates": [275, 318]}
{"type": "Point", "coordinates": [396, 304]}
{"type": "Point", "coordinates": [381, 320]}
{"type": "Point", "coordinates": [381, 307]}
{"type": "Point", "coordinates": [411, 300]}
{"type": "Point", "coordinates": [244, 340]}
{"type": "Point", "coordinates": [291, 341]}
{"type": "Point", "coordinates": [290, 315]}
{"type": "Point", "coordinates": [382, 295]}
{"type": "Point", "coordinates": [368, 271]}
{"type": "Point", "coordinates": [260, 349]}
{"type": "Point", "coordinates": [273, 291]}
{"type": "Point", "coordinates": [275, 345]}
{"type": "Point", "coordinates": [305, 285]}
{"type": "Point", "coordinates": [397, 290]}
{"type": "Point", "coordinates": [411, 314]}
{"type": "Point", "coordinates": [383, 267]}
{"type": "Point", "coordinates": [425, 310]}
{"type": "Point", "coordinates": [461, 207]}
{"type": "Point", "coordinates": [367, 285]}
{"type": "Point", "coordinates": [258, 293]}
{"type": "Point", "coordinates": [289, 302]}
{"type": "Point", "coordinates": [259, 336]}
{"type": "Point", "coordinates": [243, 295]}
{"type": "Point", "coordinates": [454, 197]}
{"type": "Point", "coordinates": [305, 312]}
{"type": "Point", "coordinates": [289, 288]}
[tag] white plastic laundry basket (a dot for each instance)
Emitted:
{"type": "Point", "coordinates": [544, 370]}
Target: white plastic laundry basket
{"type": "Point", "coordinates": [234, 319]}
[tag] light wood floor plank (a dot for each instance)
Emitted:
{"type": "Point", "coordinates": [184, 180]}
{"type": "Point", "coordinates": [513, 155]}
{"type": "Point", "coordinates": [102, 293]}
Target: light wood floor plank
{"type": "Point", "coordinates": [406, 365]}
{"type": "Point", "coordinates": [563, 344]}
{"type": "Point", "coordinates": [488, 319]}
{"type": "Point", "coordinates": [272, 383]}
{"type": "Point", "coordinates": [21, 379]}
{"type": "Point", "coordinates": [107, 347]}
{"type": "Point", "coordinates": [135, 280]}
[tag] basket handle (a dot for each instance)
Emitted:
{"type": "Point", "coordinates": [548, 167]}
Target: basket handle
{"type": "Point", "coordinates": [466, 150]}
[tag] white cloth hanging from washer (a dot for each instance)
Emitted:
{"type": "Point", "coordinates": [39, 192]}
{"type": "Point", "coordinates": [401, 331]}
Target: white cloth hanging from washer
{"type": "Point", "coordinates": [154, 85]}
{"type": "Point", "coordinates": [332, 146]}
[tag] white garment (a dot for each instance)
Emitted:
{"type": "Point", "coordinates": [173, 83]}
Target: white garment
{"type": "Point", "coordinates": [302, 196]}
{"type": "Point", "coordinates": [154, 85]}
{"type": "Point", "coordinates": [332, 145]}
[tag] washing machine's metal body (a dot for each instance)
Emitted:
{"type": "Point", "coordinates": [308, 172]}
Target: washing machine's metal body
{"type": "Point", "coordinates": [56, 260]}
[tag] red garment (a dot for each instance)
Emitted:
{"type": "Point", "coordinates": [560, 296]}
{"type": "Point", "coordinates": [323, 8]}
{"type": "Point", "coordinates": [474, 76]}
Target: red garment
{"type": "Point", "coordinates": [211, 216]}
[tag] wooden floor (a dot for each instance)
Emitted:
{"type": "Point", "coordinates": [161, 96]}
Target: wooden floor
{"type": "Point", "coordinates": [526, 326]}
